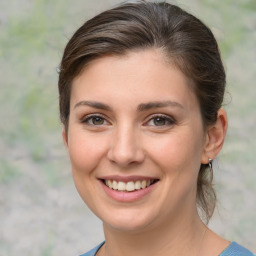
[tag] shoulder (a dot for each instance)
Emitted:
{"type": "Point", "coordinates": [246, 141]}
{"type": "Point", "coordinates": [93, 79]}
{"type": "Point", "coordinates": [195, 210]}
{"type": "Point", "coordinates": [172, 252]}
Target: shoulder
{"type": "Point", "coordinates": [235, 249]}
{"type": "Point", "coordinates": [93, 251]}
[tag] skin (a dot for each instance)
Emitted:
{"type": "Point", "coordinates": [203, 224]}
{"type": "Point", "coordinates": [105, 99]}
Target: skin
{"type": "Point", "coordinates": [127, 139]}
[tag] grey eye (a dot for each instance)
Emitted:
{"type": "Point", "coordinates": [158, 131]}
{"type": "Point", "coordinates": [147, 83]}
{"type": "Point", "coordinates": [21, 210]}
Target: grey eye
{"type": "Point", "coordinates": [97, 120]}
{"type": "Point", "coordinates": [159, 121]}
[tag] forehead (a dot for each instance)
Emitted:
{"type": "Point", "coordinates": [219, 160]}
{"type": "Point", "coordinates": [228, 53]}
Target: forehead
{"type": "Point", "coordinates": [142, 75]}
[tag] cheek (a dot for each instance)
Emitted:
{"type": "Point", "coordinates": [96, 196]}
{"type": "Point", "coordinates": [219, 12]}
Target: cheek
{"type": "Point", "coordinates": [85, 151]}
{"type": "Point", "coordinates": [177, 152]}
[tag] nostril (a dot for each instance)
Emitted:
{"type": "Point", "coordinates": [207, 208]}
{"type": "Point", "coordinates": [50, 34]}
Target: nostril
{"type": "Point", "coordinates": [125, 160]}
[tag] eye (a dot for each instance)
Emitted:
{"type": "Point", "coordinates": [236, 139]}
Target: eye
{"type": "Point", "coordinates": [96, 120]}
{"type": "Point", "coordinates": [160, 120]}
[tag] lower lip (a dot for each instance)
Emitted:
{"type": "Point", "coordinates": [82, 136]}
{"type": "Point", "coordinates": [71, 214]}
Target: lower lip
{"type": "Point", "coordinates": [132, 196]}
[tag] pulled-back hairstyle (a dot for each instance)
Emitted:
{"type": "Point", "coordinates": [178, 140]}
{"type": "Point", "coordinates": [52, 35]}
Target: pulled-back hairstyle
{"type": "Point", "coordinates": [186, 42]}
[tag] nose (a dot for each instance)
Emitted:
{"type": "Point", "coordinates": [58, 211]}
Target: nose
{"type": "Point", "coordinates": [126, 147]}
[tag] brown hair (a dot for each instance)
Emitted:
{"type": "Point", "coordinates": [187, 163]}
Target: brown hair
{"type": "Point", "coordinates": [184, 39]}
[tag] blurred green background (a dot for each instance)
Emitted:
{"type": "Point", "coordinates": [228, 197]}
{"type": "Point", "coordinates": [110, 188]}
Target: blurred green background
{"type": "Point", "coordinates": [40, 211]}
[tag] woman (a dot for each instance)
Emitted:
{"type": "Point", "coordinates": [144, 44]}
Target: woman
{"type": "Point", "coordinates": [141, 88]}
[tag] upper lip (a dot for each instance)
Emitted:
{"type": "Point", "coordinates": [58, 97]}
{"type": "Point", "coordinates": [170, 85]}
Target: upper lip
{"type": "Point", "coordinates": [127, 178]}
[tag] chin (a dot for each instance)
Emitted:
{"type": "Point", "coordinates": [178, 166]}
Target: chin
{"type": "Point", "coordinates": [126, 226]}
{"type": "Point", "coordinates": [128, 220]}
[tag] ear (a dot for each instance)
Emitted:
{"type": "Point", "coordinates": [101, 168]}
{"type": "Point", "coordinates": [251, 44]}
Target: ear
{"type": "Point", "coordinates": [65, 137]}
{"type": "Point", "coordinates": [215, 137]}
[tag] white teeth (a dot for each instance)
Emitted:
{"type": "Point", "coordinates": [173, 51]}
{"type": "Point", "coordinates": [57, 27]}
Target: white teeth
{"type": "Point", "coordinates": [121, 186]}
{"type": "Point", "coordinates": [109, 183]}
{"type": "Point", "coordinates": [129, 186]}
{"type": "Point", "coordinates": [137, 185]}
{"type": "Point", "coordinates": [143, 184]}
{"type": "Point", "coordinates": [115, 185]}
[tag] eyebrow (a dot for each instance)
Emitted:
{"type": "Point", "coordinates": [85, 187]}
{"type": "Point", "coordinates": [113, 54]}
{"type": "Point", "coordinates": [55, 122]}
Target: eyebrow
{"type": "Point", "coordinates": [93, 104]}
{"type": "Point", "coordinates": [142, 107]}
{"type": "Point", "coordinates": [158, 104]}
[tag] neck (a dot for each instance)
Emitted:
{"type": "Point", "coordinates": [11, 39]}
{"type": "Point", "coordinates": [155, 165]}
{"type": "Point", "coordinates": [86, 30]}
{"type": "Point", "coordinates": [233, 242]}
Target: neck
{"type": "Point", "coordinates": [177, 238]}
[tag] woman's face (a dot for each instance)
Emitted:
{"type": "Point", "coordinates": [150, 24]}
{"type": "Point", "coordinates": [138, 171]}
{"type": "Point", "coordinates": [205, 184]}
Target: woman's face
{"type": "Point", "coordinates": [135, 140]}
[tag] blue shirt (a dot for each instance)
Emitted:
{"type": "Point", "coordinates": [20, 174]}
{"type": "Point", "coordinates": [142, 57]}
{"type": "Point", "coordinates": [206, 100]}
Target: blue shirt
{"type": "Point", "coordinates": [234, 249]}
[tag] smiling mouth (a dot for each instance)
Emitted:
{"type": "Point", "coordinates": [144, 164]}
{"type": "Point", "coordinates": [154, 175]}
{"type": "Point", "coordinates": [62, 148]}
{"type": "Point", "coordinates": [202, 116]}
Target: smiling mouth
{"type": "Point", "coordinates": [129, 186]}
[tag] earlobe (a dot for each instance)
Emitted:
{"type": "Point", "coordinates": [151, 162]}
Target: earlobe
{"type": "Point", "coordinates": [65, 137]}
{"type": "Point", "coordinates": [215, 137]}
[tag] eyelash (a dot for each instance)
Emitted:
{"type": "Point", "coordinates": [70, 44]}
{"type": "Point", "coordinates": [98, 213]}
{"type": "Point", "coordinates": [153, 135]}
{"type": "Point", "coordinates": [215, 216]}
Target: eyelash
{"type": "Point", "coordinates": [88, 118]}
{"type": "Point", "coordinates": [167, 119]}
